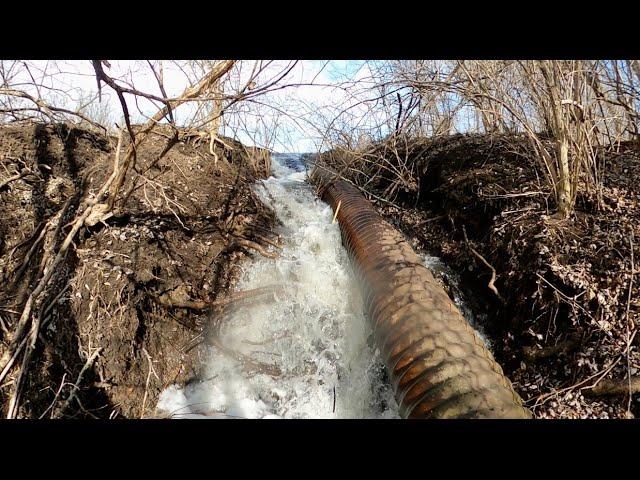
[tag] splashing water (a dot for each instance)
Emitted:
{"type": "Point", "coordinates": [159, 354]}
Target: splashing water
{"type": "Point", "coordinates": [313, 334]}
{"type": "Point", "coordinates": [307, 351]}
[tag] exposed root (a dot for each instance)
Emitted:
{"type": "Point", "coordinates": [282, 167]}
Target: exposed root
{"type": "Point", "coordinates": [13, 178]}
{"type": "Point", "coordinates": [243, 242]}
{"type": "Point", "coordinates": [167, 301]}
{"type": "Point", "coordinates": [159, 247]}
{"type": "Point", "coordinates": [76, 385]}
{"type": "Point", "coordinates": [491, 283]}
{"type": "Point", "coordinates": [27, 257]}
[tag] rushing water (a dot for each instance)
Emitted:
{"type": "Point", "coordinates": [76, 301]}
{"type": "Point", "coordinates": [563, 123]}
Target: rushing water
{"type": "Point", "coordinates": [312, 332]}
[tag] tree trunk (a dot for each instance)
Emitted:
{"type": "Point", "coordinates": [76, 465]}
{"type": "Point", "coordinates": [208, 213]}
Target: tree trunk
{"type": "Point", "coordinates": [563, 189]}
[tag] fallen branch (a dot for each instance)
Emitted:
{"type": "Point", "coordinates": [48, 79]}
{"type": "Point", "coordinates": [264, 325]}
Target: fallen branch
{"type": "Point", "coordinates": [269, 242]}
{"type": "Point", "coordinates": [34, 246]}
{"type": "Point", "coordinates": [335, 215]}
{"type": "Point", "coordinates": [534, 353]}
{"type": "Point", "coordinates": [566, 298]}
{"type": "Point", "coordinates": [248, 363]}
{"type": "Point", "coordinates": [491, 283]}
{"type": "Point", "coordinates": [612, 387]}
{"type": "Point", "coordinates": [544, 398]}
{"type": "Point", "coordinates": [26, 241]}
{"type": "Point", "coordinates": [429, 220]}
{"type": "Point", "coordinates": [191, 93]}
{"type": "Point", "coordinates": [55, 398]}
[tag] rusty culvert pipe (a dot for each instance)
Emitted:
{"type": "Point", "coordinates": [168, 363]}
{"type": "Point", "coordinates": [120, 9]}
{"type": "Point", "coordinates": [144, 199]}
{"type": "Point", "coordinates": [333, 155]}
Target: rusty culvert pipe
{"type": "Point", "coordinates": [437, 363]}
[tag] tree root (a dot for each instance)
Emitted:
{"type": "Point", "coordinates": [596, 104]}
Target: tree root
{"type": "Point", "coordinates": [166, 300]}
{"type": "Point", "coordinates": [491, 283]}
{"type": "Point", "coordinates": [257, 247]}
{"type": "Point", "coordinates": [76, 385]}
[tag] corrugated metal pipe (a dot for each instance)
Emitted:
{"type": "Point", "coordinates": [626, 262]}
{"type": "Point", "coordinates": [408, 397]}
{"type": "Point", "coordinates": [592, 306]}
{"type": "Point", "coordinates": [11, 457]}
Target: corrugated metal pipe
{"type": "Point", "coordinates": [439, 366]}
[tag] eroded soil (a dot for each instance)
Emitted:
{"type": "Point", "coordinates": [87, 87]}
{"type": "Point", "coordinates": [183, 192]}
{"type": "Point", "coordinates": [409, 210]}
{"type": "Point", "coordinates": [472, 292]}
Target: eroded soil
{"type": "Point", "coordinates": [131, 293]}
{"type": "Point", "coordinates": [565, 311]}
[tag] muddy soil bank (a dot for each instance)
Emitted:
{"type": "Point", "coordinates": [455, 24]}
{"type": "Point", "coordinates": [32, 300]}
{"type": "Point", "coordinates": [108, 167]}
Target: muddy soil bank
{"type": "Point", "coordinates": [563, 307]}
{"type": "Point", "coordinates": [127, 302]}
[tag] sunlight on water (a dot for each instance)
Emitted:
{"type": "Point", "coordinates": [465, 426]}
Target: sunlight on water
{"type": "Point", "coordinates": [312, 331]}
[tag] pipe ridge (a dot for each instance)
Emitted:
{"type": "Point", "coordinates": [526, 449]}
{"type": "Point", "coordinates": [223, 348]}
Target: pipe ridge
{"type": "Point", "coordinates": [438, 364]}
{"type": "Point", "coordinates": [439, 374]}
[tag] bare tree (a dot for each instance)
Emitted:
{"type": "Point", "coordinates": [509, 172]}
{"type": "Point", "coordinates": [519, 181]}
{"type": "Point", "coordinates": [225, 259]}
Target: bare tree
{"type": "Point", "coordinates": [569, 110]}
{"type": "Point", "coordinates": [25, 101]}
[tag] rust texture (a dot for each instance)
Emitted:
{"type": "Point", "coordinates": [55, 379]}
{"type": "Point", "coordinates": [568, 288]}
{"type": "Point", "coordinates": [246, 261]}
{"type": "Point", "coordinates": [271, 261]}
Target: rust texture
{"type": "Point", "coordinates": [439, 366]}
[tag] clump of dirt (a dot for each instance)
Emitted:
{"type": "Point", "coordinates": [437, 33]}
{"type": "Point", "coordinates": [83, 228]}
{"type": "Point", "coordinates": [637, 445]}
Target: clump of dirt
{"type": "Point", "coordinates": [564, 309]}
{"type": "Point", "coordinates": [124, 307]}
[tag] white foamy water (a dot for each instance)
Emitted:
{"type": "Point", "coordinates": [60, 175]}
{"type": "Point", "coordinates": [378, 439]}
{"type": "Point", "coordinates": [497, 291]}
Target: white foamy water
{"type": "Point", "coordinates": [314, 332]}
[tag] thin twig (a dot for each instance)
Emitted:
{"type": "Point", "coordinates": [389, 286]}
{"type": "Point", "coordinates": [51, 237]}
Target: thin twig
{"type": "Point", "coordinates": [146, 386]}
{"type": "Point", "coordinates": [335, 215]}
{"type": "Point", "coordinates": [55, 398]}
{"type": "Point", "coordinates": [76, 385]}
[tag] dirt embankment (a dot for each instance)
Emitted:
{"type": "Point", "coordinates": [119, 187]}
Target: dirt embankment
{"type": "Point", "coordinates": [131, 296]}
{"type": "Point", "coordinates": [563, 309]}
